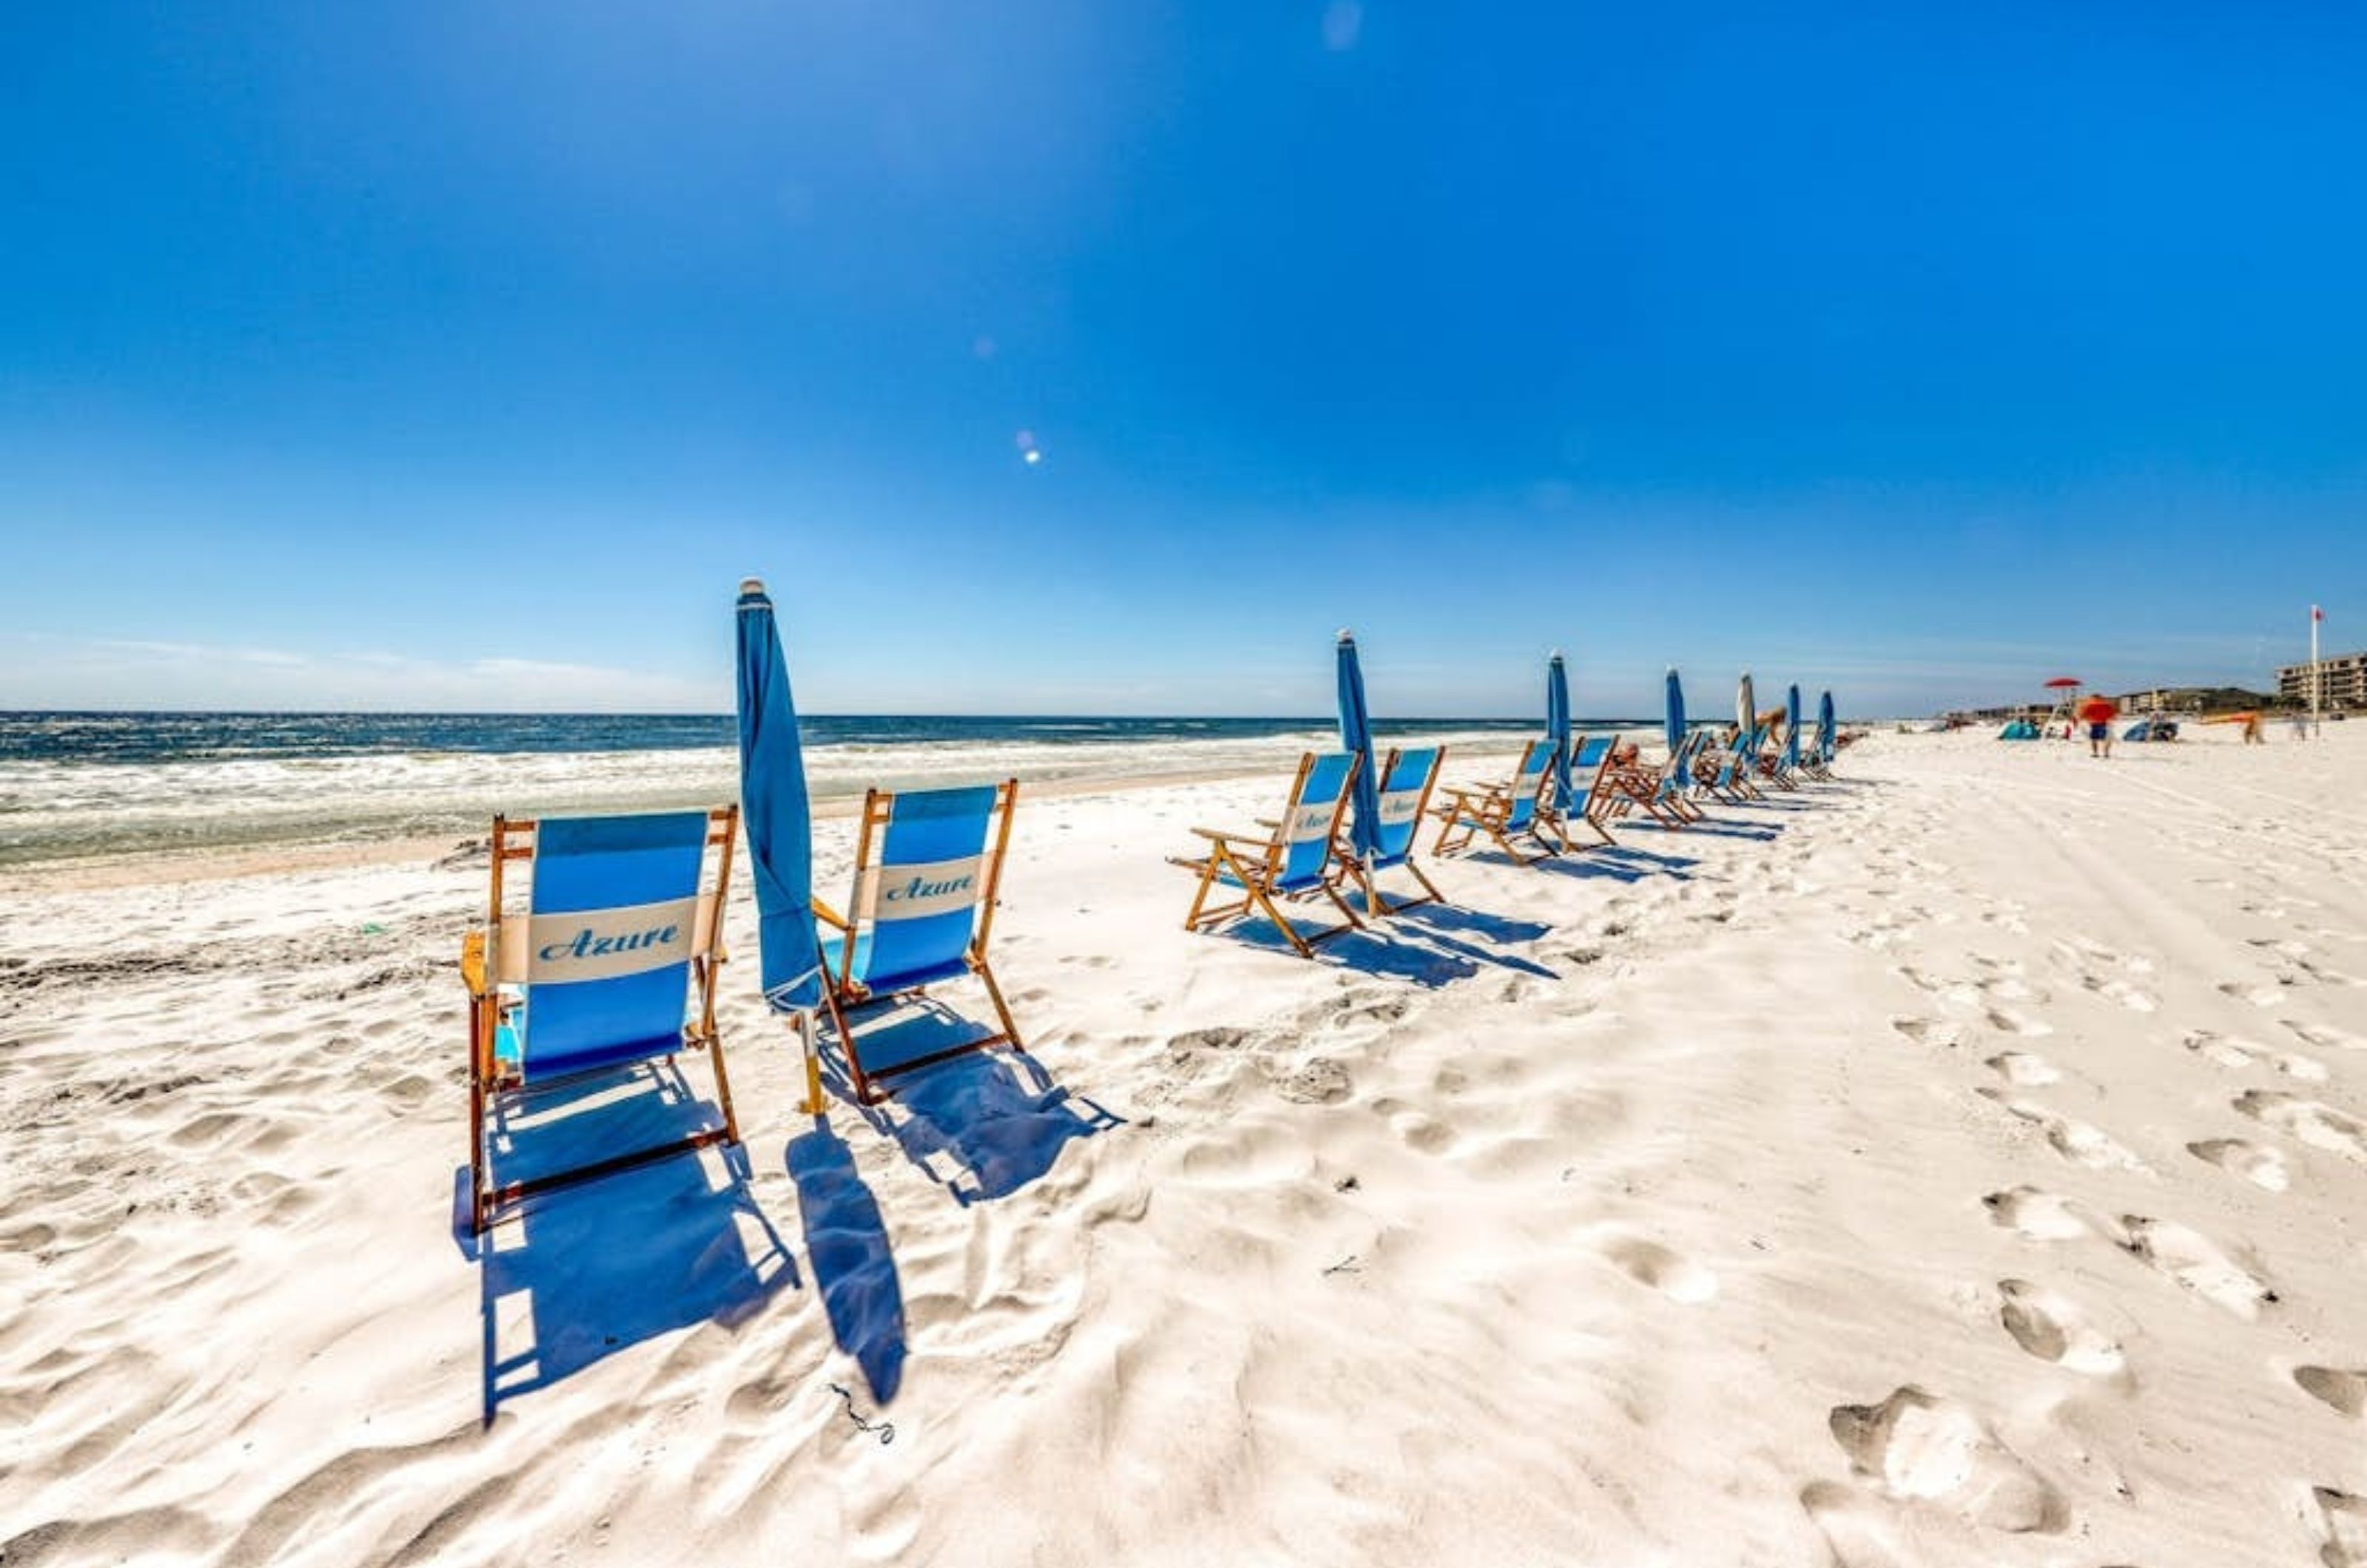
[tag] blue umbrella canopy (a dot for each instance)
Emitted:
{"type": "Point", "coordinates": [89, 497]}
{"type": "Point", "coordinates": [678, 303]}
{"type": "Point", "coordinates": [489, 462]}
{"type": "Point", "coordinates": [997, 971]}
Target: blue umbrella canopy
{"type": "Point", "coordinates": [773, 805]}
{"type": "Point", "coordinates": [1356, 735]}
{"type": "Point", "coordinates": [1824, 726]}
{"type": "Point", "coordinates": [1558, 725]}
{"type": "Point", "coordinates": [1676, 720]}
{"type": "Point", "coordinates": [1792, 726]}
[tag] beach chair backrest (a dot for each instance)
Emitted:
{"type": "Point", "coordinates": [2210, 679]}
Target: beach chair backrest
{"type": "Point", "coordinates": [1316, 805]}
{"type": "Point", "coordinates": [1589, 756]}
{"type": "Point", "coordinates": [922, 892]}
{"type": "Point", "coordinates": [1528, 784]}
{"type": "Point", "coordinates": [1406, 780]}
{"type": "Point", "coordinates": [614, 919]}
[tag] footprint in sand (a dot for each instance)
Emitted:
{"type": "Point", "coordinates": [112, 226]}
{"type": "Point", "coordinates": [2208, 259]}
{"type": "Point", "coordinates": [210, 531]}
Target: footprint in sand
{"type": "Point", "coordinates": [2187, 1258]}
{"type": "Point", "coordinates": [2260, 994]}
{"type": "Point", "coordinates": [2076, 1141]}
{"type": "Point", "coordinates": [2021, 1067]}
{"type": "Point", "coordinates": [2218, 1051]}
{"type": "Point", "coordinates": [2007, 1022]}
{"type": "Point", "coordinates": [1918, 1445]}
{"type": "Point", "coordinates": [2346, 1528]}
{"type": "Point", "coordinates": [2307, 1121]}
{"type": "Point", "coordinates": [2053, 1328]}
{"type": "Point", "coordinates": [1672, 1274]}
{"type": "Point", "coordinates": [2340, 1389]}
{"type": "Point", "coordinates": [2262, 1167]}
{"type": "Point", "coordinates": [2035, 1215]}
{"type": "Point", "coordinates": [2324, 1036]}
{"type": "Point", "coordinates": [2308, 1069]}
{"type": "Point", "coordinates": [1929, 1032]}
{"type": "Point", "coordinates": [1855, 1533]}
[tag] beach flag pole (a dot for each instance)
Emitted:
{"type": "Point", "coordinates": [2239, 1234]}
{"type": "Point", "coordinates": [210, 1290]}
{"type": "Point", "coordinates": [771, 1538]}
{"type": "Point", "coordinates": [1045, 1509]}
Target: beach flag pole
{"type": "Point", "coordinates": [2316, 675]}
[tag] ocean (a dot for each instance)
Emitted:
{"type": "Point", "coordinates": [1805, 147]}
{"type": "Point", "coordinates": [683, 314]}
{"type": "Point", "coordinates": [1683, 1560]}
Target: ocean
{"type": "Point", "coordinates": [73, 784]}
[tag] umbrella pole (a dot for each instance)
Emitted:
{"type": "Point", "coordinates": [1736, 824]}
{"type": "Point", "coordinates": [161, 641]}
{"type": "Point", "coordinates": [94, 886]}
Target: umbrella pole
{"type": "Point", "coordinates": [813, 1105]}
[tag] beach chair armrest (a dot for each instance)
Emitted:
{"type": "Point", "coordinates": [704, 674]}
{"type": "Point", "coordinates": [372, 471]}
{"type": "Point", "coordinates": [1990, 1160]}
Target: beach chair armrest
{"type": "Point", "coordinates": [830, 917]}
{"type": "Point", "coordinates": [1214, 836]}
{"type": "Point", "coordinates": [472, 964]}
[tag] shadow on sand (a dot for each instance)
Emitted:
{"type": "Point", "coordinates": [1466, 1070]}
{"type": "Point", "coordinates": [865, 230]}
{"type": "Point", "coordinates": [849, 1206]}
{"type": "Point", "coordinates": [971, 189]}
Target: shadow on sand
{"type": "Point", "coordinates": [587, 1270]}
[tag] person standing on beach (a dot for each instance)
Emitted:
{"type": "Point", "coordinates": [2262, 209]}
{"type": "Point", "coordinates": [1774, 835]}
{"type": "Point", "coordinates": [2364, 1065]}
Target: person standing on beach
{"type": "Point", "coordinates": [2252, 735]}
{"type": "Point", "coordinates": [2098, 713]}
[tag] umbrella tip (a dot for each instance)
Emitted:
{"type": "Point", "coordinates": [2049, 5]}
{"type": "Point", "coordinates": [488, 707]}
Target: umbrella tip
{"type": "Point", "coordinates": [1347, 635]}
{"type": "Point", "coordinates": [751, 585]}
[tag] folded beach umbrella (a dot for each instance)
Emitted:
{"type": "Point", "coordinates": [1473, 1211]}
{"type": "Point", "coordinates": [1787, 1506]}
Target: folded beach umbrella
{"type": "Point", "coordinates": [1792, 726]}
{"type": "Point", "coordinates": [1746, 705]}
{"type": "Point", "coordinates": [1356, 735]}
{"type": "Point", "coordinates": [780, 828]}
{"type": "Point", "coordinates": [1824, 726]}
{"type": "Point", "coordinates": [1676, 719]}
{"type": "Point", "coordinates": [1557, 726]}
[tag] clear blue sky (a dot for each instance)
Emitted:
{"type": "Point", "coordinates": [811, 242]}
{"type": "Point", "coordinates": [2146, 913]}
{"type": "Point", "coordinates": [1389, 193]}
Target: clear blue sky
{"type": "Point", "coordinates": [467, 355]}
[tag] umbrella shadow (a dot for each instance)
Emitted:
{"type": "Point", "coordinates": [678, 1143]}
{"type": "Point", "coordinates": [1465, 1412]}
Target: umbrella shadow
{"type": "Point", "coordinates": [591, 1269]}
{"type": "Point", "coordinates": [985, 1125]}
{"type": "Point", "coordinates": [854, 1269]}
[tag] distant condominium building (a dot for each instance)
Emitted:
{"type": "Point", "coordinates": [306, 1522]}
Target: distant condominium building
{"type": "Point", "coordinates": [2343, 678]}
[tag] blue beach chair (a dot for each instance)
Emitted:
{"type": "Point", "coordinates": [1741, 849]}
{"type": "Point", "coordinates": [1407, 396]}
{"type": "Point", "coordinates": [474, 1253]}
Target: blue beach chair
{"type": "Point", "coordinates": [927, 865]}
{"type": "Point", "coordinates": [611, 965]}
{"type": "Point", "coordinates": [1289, 860]}
{"type": "Point", "coordinates": [1727, 774]}
{"type": "Point", "coordinates": [1660, 792]}
{"type": "Point", "coordinates": [1407, 779]}
{"type": "Point", "coordinates": [1591, 773]}
{"type": "Point", "coordinates": [1506, 811]}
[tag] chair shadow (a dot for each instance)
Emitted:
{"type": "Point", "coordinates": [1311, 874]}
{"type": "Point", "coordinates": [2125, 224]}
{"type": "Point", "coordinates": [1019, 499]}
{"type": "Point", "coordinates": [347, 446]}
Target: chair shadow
{"type": "Point", "coordinates": [1624, 864]}
{"type": "Point", "coordinates": [985, 1125]}
{"type": "Point", "coordinates": [585, 1271]}
{"type": "Point", "coordinates": [853, 1267]}
{"type": "Point", "coordinates": [1442, 916]}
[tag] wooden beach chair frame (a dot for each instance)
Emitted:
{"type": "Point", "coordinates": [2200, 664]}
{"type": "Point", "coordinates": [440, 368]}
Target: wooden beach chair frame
{"type": "Point", "coordinates": [1489, 810]}
{"type": "Point", "coordinates": [1347, 865]}
{"type": "Point", "coordinates": [1658, 792]}
{"type": "Point", "coordinates": [1254, 861]}
{"type": "Point", "coordinates": [493, 967]}
{"type": "Point", "coordinates": [842, 989]}
{"type": "Point", "coordinates": [1597, 796]}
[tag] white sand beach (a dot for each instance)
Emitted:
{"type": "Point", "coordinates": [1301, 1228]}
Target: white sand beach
{"type": "Point", "coordinates": [1964, 1162]}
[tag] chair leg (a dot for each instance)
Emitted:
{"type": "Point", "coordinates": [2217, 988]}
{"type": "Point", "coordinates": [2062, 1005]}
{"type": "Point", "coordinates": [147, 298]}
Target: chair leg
{"type": "Point", "coordinates": [994, 995]}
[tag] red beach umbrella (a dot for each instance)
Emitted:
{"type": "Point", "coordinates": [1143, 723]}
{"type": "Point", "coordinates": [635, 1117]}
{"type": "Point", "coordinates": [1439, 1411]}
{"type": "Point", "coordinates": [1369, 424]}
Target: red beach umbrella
{"type": "Point", "coordinates": [2064, 683]}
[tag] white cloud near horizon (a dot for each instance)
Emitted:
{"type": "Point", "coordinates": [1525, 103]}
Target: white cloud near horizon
{"type": "Point", "coordinates": [48, 671]}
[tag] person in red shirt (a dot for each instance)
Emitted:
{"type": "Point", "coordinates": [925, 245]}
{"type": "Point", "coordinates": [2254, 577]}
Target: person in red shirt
{"type": "Point", "coordinates": [2098, 713]}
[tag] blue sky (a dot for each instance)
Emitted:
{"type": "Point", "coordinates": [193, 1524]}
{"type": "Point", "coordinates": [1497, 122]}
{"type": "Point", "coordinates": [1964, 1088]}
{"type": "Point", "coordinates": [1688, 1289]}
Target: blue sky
{"type": "Point", "coordinates": [466, 355]}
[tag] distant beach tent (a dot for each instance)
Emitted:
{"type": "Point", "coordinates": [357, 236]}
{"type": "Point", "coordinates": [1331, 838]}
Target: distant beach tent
{"type": "Point", "coordinates": [1356, 739]}
{"type": "Point", "coordinates": [2019, 729]}
{"type": "Point", "coordinates": [1558, 729]}
{"type": "Point", "coordinates": [1674, 730]}
{"type": "Point", "coordinates": [780, 827]}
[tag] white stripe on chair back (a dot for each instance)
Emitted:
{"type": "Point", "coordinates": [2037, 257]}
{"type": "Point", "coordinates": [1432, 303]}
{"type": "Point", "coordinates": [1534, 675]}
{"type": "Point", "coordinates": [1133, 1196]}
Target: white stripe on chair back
{"type": "Point", "coordinates": [603, 944]}
{"type": "Point", "coordinates": [916, 892]}
{"type": "Point", "coordinates": [1310, 822]}
{"type": "Point", "coordinates": [1398, 805]}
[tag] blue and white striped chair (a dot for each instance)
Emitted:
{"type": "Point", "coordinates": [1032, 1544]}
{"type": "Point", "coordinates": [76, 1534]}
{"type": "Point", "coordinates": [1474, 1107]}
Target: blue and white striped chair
{"type": "Point", "coordinates": [1407, 779]}
{"type": "Point", "coordinates": [927, 866]}
{"type": "Point", "coordinates": [1290, 859]}
{"type": "Point", "coordinates": [1591, 771]}
{"type": "Point", "coordinates": [611, 964]}
{"type": "Point", "coordinates": [1503, 812]}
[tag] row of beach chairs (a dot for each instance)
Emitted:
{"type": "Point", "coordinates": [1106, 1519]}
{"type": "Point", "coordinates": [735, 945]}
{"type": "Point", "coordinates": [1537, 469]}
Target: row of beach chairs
{"type": "Point", "coordinates": [608, 959]}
